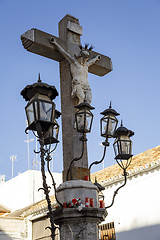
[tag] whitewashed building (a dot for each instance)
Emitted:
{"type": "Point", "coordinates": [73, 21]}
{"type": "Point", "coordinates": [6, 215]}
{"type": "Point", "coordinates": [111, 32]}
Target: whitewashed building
{"type": "Point", "coordinates": [134, 215]}
{"type": "Point", "coordinates": [136, 210]}
{"type": "Point", "coordinates": [16, 197]}
{"type": "Point", "coordinates": [22, 190]}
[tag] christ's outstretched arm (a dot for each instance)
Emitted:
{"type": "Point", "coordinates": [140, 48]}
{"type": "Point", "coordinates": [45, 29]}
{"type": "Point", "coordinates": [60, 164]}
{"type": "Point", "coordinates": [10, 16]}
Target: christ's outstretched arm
{"type": "Point", "coordinates": [65, 54]}
{"type": "Point", "coordinates": [93, 60]}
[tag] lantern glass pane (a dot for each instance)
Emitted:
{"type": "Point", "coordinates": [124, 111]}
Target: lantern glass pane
{"type": "Point", "coordinates": [80, 121]}
{"type": "Point", "coordinates": [52, 135]}
{"type": "Point", "coordinates": [125, 145]}
{"type": "Point", "coordinates": [45, 111]}
{"type": "Point", "coordinates": [84, 121]}
{"type": "Point", "coordinates": [30, 113]}
{"type": "Point", "coordinates": [54, 131]}
{"type": "Point", "coordinates": [109, 124]}
{"type": "Point", "coordinates": [36, 110]}
{"type": "Point", "coordinates": [116, 148]}
{"type": "Point", "coordinates": [88, 122]}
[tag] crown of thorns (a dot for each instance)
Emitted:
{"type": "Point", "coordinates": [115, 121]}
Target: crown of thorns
{"type": "Point", "coordinates": [85, 48]}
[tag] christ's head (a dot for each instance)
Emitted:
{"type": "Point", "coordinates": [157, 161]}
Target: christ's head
{"type": "Point", "coordinates": [84, 53]}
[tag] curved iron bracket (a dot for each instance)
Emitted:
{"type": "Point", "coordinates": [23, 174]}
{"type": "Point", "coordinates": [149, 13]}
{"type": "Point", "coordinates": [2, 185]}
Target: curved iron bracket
{"type": "Point", "coordinates": [116, 192]}
{"type": "Point", "coordinates": [98, 162]}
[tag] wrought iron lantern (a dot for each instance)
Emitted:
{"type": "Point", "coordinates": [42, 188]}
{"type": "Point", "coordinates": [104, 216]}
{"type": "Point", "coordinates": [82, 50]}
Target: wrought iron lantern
{"type": "Point", "coordinates": [41, 116]}
{"type": "Point", "coordinates": [84, 117]}
{"type": "Point", "coordinates": [123, 154]}
{"type": "Point", "coordinates": [108, 122]}
{"type": "Point", "coordinates": [40, 109]}
{"type": "Point", "coordinates": [53, 132]}
{"type": "Point", "coordinates": [123, 146]}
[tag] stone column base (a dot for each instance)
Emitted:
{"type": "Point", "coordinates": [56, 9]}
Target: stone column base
{"type": "Point", "coordinates": [77, 189]}
{"type": "Point", "coordinates": [79, 225]}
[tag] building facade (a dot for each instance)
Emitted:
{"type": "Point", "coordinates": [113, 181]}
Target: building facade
{"type": "Point", "coordinates": [22, 190]}
{"type": "Point", "coordinates": [134, 215]}
{"type": "Point", "coordinates": [136, 210]}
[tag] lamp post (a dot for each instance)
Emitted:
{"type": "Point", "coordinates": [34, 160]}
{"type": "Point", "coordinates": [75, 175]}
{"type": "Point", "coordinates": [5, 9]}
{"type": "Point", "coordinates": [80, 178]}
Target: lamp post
{"type": "Point", "coordinates": [83, 124]}
{"type": "Point", "coordinates": [123, 146]}
{"type": "Point", "coordinates": [108, 124]}
{"type": "Point", "coordinates": [42, 121]}
{"type": "Point", "coordinates": [41, 114]}
{"type": "Point", "coordinates": [123, 153]}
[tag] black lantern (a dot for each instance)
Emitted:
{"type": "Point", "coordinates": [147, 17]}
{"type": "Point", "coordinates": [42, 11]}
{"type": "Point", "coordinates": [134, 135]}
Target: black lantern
{"type": "Point", "coordinates": [52, 135]}
{"type": "Point", "coordinates": [84, 117]}
{"type": "Point", "coordinates": [123, 146]}
{"type": "Point", "coordinates": [108, 122]}
{"type": "Point", "coordinates": [40, 109]}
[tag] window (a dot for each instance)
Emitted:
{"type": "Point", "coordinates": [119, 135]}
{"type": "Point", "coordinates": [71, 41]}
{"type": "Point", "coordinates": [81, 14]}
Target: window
{"type": "Point", "coordinates": [107, 231]}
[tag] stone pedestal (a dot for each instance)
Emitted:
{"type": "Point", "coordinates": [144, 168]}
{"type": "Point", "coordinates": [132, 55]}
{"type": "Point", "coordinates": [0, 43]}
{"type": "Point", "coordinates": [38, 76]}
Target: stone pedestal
{"type": "Point", "coordinates": [75, 223]}
{"type": "Point", "coordinates": [79, 225]}
{"type": "Point", "coordinates": [77, 189]}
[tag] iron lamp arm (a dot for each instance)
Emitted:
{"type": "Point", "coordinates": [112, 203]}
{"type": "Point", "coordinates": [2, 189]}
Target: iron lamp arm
{"type": "Point", "coordinates": [116, 192]}
{"type": "Point", "coordinates": [98, 162]}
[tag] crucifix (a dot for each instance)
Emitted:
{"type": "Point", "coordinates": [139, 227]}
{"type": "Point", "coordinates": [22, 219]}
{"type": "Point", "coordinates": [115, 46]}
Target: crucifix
{"type": "Point", "coordinates": [66, 49]}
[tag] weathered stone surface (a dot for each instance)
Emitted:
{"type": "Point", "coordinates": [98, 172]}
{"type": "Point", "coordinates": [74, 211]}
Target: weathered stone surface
{"type": "Point", "coordinates": [38, 42]}
{"type": "Point", "coordinates": [77, 189]}
{"type": "Point", "coordinates": [78, 173]}
{"type": "Point", "coordinates": [72, 147]}
{"type": "Point", "coordinates": [79, 225]}
{"type": "Point", "coordinates": [74, 224]}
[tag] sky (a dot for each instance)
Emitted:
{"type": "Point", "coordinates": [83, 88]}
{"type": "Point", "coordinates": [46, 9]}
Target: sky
{"type": "Point", "coordinates": [126, 31]}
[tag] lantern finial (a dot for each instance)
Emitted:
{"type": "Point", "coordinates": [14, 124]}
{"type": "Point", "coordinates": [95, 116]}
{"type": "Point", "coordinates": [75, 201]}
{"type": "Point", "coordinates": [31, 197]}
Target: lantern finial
{"type": "Point", "coordinates": [39, 78]}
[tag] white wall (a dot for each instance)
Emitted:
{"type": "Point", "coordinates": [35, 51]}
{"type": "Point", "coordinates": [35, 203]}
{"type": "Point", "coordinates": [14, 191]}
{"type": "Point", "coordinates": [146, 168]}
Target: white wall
{"type": "Point", "coordinates": [12, 229]}
{"type": "Point", "coordinates": [136, 211]}
{"type": "Point", "coordinates": [22, 190]}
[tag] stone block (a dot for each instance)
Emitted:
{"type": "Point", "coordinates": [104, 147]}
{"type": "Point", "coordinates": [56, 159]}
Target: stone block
{"type": "Point", "coordinates": [77, 189]}
{"type": "Point", "coordinates": [79, 225]}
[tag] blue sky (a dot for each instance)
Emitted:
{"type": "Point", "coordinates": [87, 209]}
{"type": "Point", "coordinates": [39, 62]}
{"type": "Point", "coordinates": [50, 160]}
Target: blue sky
{"type": "Point", "coordinates": [126, 31]}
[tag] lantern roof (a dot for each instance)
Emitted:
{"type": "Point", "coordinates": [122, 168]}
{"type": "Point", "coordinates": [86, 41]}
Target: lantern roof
{"type": "Point", "coordinates": [39, 87]}
{"type": "Point", "coordinates": [123, 131]}
{"type": "Point", "coordinates": [110, 110]}
{"type": "Point", "coordinates": [84, 105]}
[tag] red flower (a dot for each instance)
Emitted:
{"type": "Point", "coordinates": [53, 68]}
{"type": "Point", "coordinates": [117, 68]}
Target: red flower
{"type": "Point", "coordinates": [74, 201]}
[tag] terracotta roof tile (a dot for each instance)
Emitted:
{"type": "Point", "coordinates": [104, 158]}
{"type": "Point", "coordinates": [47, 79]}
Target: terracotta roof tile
{"type": "Point", "coordinates": [139, 162]}
{"type": "Point", "coordinates": [142, 160]}
{"type": "Point", "coordinates": [42, 204]}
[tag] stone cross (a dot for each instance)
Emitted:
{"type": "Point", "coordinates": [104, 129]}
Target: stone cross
{"type": "Point", "coordinates": [38, 42]}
